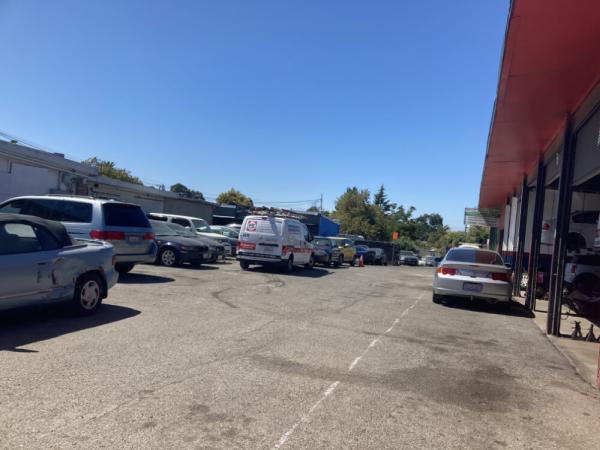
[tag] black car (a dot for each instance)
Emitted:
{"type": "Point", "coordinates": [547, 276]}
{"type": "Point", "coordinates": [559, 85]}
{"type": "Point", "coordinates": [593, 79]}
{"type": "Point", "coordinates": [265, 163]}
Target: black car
{"type": "Point", "coordinates": [217, 251]}
{"type": "Point", "coordinates": [326, 251]}
{"type": "Point", "coordinates": [367, 254]}
{"type": "Point", "coordinates": [174, 249]}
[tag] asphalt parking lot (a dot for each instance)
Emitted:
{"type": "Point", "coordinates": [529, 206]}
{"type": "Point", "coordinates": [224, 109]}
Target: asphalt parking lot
{"type": "Point", "coordinates": [215, 357]}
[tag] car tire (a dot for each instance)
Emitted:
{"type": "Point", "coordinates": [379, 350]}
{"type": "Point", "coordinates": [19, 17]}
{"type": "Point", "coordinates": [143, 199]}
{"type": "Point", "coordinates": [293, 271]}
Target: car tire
{"type": "Point", "coordinates": [311, 262]}
{"type": "Point", "coordinates": [124, 268]}
{"type": "Point", "coordinates": [329, 262]}
{"type": "Point", "coordinates": [436, 298]}
{"type": "Point", "coordinates": [245, 265]}
{"type": "Point", "coordinates": [168, 257]}
{"type": "Point", "coordinates": [288, 265]}
{"type": "Point", "coordinates": [338, 262]}
{"type": "Point", "coordinates": [87, 297]}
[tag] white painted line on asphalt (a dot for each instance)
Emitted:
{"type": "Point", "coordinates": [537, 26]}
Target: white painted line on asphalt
{"type": "Point", "coordinates": [285, 436]}
{"type": "Point", "coordinates": [305, 417]}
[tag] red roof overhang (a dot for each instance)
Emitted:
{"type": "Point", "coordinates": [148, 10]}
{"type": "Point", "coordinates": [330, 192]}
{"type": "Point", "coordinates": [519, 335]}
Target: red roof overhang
{"type": "Point", "coordinates": [550, 64]}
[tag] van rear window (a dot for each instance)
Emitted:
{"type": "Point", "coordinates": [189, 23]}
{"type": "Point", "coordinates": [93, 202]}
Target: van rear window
{"type": "Point", "coordinates": [119, 215]}
{"type": "Point", "coordinates": [265, 226]}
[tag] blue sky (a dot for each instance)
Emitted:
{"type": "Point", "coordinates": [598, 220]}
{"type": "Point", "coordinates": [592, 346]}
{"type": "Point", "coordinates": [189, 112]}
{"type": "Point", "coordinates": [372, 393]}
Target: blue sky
{"type": "Point", "coordinates": [283, 100]}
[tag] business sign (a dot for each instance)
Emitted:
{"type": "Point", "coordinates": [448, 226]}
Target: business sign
{"type": "Point", "coordinates": [482, 217]}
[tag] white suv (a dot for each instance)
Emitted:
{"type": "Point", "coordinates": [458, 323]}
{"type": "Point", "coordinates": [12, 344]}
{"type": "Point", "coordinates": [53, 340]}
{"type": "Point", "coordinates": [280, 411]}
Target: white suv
{"type": "Point", "coordinates": [124, 225]}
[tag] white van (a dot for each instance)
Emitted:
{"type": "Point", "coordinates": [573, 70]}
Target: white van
{"type": "Point", "coordinates": [274, 240]}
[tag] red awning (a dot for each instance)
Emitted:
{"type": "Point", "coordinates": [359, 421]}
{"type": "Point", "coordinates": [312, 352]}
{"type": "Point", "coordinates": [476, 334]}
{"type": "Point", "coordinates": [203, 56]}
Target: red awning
{"type": "Point", "coordinates": [551, 62]}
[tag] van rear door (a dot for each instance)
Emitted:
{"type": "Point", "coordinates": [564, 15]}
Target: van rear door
{"type": "Point", "coordinates": [262, 236]}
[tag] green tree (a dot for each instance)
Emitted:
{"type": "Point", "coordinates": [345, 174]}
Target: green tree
{"type": "Point", "coordinates": [380, 200]}
{"type": "Point", "coordinates": [477, 235]}
{"type": "Point", "coordinates": [234, 197]}
{"type": "Point", "coordinates": [313, 209]}
{"type": "Point", "coordinates": [184, 191]}
{"type": "Point", "coordinates": [109, 169]}
{"type": "Point", "coordinates": [355, 212]}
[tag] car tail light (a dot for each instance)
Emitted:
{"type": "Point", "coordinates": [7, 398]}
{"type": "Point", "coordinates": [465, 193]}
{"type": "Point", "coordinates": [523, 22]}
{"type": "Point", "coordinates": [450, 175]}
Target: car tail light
{"type": "Point", "coordinates": [573, 268]}
{"type": "Point", "coordinates": [500, 276]}
{"type": "Point", "coordinates": [107, 235]}
{"type": "Point", "coordinates": [446, 270]}
{"type": "Point", "coordinates": [286, 249]}
{"type": "Point", "coordinates": [247, 246]}
{"type": "Point", "coordinates": [149, 236]}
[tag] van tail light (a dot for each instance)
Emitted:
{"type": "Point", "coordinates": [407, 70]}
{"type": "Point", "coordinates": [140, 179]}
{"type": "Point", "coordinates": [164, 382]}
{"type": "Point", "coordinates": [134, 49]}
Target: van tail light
{"type": "Point", "coordinates": [149, 236]}
{"type": "Point", "coordinates": [107, 235]}
{"type": "Point", "coordinates": [446, 270]}
{"type": "Point", "coordinates": [246, 245]}
{"type": "Point", "coordinates": [501, 276]}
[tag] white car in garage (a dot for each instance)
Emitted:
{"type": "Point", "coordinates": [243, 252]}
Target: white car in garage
{"type": "Point", "coordinates": [474, 274]}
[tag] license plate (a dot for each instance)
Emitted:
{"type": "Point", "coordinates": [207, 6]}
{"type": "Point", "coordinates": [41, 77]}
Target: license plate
{"type": "Point", "coordinates": [134, 239]}
{"type": "Point", "coordinates": [472, 287]}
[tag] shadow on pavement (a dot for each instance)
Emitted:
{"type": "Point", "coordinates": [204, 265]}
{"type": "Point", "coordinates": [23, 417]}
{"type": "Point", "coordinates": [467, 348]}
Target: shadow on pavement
{"type": "Point", "coordinates": [35, 324]}
{"type": "Point", "coordinates": [143, 278]}
{"type": "Point", "coordinates": [515, 309]}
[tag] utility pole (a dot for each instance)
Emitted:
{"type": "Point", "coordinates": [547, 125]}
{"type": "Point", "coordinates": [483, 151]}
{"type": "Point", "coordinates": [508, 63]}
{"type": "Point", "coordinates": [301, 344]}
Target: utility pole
{"type": "Point", "coordinates": [321, 209]}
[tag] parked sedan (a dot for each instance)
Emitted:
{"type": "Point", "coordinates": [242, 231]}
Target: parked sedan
{"type": "Point", "coordinates": [408, 258]}
{"type": "Point", "coordinates": [174, 250]}
{"type": "Point", "coordinates": [367, 254]}
{"type": "Point", "coordinates": [231, 235]}
{"type": "Point", "coordinates": [40, 264]}
{"type": "Point", "coordinates": [326, 251]}
{"type": "Point", "coordinates": [216, 250]}
{"type": "Point", "coordinates": [474, 274]}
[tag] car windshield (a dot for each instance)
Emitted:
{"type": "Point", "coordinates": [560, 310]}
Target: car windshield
{"type": "Point", "coordinates": [181, 230]}
{"type": "Point", "coordinates": [474, 256]}
{"type": "Point", "coordinates": [319, 242]}
{"type": "Point", "coordinates": [162, 229]}
{"type": "Point", "coordinates": [200, 224]}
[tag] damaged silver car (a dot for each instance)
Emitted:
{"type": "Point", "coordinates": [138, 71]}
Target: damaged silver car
{"type": "Point", "coordinates": [40, 264]}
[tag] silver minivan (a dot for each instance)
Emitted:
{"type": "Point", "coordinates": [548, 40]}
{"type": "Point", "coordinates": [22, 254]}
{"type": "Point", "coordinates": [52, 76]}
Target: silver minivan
{"type": "Point", "coordinates": [124, 225]}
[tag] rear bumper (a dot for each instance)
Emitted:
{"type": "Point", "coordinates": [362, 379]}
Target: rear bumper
{"type": "Point", "coordinates": [148, 257]}
{"type": "Point", "coordinates": [453, 287]}
{"type": "Point", "coordinates": [259, 258]}
{"type": "Point", "coordinates": [112, 276]}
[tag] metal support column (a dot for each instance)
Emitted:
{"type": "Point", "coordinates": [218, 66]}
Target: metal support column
{"type": "Point", "coordinates": [521, 237]}
{"type": "Point", "coordinates": [565, 194]}
{"type": "Point", "coordinates": [536, 235]}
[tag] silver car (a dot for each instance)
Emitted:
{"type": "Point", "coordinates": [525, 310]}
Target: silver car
{"type": "Point", "coordinates": [473, 273]}
{"type": "Point", "coordinates": [40, 264]}
{"type": "Point", "coordinates": [124, 225]}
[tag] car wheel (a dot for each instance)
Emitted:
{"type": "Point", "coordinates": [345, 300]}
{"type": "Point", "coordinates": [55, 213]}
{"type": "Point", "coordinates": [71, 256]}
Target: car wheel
{"type": "Point", "coordinates": [329, 262]}
{"type": "Point", "coordinates": [437, 298]}
{"type": "Point", "coordinates": [288, 266]}
{"type": "Point", "coordinates": [88, 294]}
{"type": "Point", "coordinates": [245, 265]}
{"type": "Point", "coordinates": [311, 262]}
{"type": "Point", "coordinates": [168, 257]}
{"type": "Point", "coordinates": [338, 262]}
{"type": "Point", "coordinates": [124, 268]}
